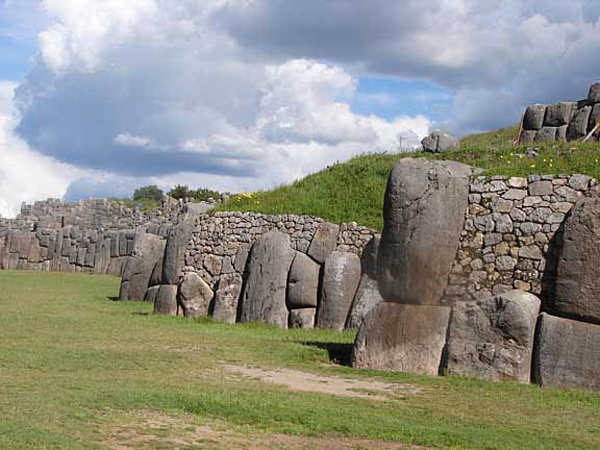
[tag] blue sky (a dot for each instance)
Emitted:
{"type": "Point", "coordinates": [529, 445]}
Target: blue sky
{"type": "Point", "coordinates": [98, 97]}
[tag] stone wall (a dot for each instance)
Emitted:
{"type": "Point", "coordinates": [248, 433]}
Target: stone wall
{"type": "Point", "coordinates": [563, 121]}
{"type": "Point", "coordinates": [88, 236]}
{"type": "Point", "coordinates": [217, 241]}
{"type": "Point", "coordinates": [511, 234]}
{"type": "Point", "coordinates": [540, 235]}
{"type": "Point", "coordinates": [208, 260]}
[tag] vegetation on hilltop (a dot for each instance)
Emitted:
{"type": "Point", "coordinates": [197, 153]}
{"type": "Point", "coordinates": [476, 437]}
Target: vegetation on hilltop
{"type": "Point", "coordinates": [199, 195]}
{"type": "Point", "coordinates": [354, 190]}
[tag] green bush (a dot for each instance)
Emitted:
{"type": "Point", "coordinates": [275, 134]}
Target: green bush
{"type": "Point", "coordinates": [200, 194]}
{"type": "Point", "coordinates": [148, 192]}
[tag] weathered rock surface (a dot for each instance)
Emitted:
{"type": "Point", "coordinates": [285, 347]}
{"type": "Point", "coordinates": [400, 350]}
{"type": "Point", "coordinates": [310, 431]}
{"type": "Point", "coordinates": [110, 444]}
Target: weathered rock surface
{"type": "Point", "coordinates": [406, 338]}
{"type": "Point", "coordinates": [165, 302]}
{"type": "Point", "coordinates": [579, 125]}
{"type": "Point", "coordinates": [227, 298]}
{"type": "Point", "coordinates": [534, 117]}
{"type": "Point", "coordinates": [148, 250]}
{"type": "Point", "coordinates": [263, 299]}
{"type": "Point", "coordinates": [439, 142]}
{"type": "Point", "coordinates": [174, 252]}
{"type": "Point", "coordinates": [367, 296]}
{"type": "Point", "coordinates": [559, 114]}
{"type": "Point", "coordinates": [341, 276]}
{"type": "Point", "coordinates": [424, 211]}
{"type": "Point", "coordinates": [323, 242]}
{"type": "Point", "coordinates": [577, 286]}
{"type": "Point", "coordinates": [194, 296]}
{"type": "Point", "coordinates": [369, 257]}
{"type": "Point", "coordinates": [493, 338]}
{"type": "Point", "coordinates": [303, 283]}
{"type": "Point", "coordinates": [567, 353]}
{"type": "Point", "coordinates": [151, 294]}
{"type": "Point", "coordinates": [303, 318]}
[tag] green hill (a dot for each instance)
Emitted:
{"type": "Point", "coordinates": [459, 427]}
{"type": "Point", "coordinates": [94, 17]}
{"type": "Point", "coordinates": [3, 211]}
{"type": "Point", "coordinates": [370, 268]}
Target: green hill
{"type": "Point", "coordinates": [353, 191]}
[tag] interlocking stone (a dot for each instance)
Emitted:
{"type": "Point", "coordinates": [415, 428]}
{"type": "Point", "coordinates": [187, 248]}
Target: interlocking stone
{"type": "Point", "coordinates": [405, 338]}
{"type": "Point", "coordinates": [493, 338]}
{"type": "Point", "coordinates": [424, 212]}
{"type": "Point", "coordinates": [567, 353]}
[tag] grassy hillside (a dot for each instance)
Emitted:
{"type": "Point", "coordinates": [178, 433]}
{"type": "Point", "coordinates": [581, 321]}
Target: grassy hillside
{"type": "Point", "coordinates": [80, 371]}
{"type": "Point", "coordinates": [353, 191]}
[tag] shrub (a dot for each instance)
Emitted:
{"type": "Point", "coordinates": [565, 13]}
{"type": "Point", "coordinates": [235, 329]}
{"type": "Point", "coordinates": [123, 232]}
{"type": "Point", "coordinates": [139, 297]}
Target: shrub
{"type": "Point", "coordinates": [148, 192]}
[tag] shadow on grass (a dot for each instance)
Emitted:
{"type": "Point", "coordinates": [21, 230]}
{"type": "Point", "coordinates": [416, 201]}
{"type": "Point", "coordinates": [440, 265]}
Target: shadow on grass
{"type": "Point", "coordinates": [340, 354]}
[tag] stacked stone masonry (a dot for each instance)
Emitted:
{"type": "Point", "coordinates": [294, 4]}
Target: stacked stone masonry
{"type": "Point", "coordinates": [297, 253]}
{"type": "Point", "coordinates": [88, 236]}
{"type": "Point", "coordinates": [519, 235]}
{"type": "Point", "coordinates": [563, 121]}
{"type": "Point", "coordinates": [511, 235]}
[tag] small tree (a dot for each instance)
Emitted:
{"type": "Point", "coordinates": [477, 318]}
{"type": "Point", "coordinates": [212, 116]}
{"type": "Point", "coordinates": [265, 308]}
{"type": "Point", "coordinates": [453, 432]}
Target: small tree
{"type": "Point", "coordinates": [203, 194]}
{"type": "Point", "coordinates": [179, 192]}
{"type": "Point", "coordinates": [148, 192]}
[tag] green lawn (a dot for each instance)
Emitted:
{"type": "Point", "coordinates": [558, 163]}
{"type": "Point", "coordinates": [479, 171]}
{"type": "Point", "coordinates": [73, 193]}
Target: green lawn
{"type": "Point", "coordinates": [75, 366]}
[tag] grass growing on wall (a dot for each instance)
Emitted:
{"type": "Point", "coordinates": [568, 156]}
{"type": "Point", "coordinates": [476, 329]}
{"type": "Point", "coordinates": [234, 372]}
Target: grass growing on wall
{"type": "Point", "coordinates": [75, 366]}
{"type": "Point", "coordinates": [353, 191]}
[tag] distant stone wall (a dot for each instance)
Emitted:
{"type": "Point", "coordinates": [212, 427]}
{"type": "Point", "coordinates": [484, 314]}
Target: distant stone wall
{"type": "Point", "coordinates": [218, 240]}
{"type": "Point", "coordinates": [563, 121]}
{"type": "Point", "coordinates": [510, 235]}
{"type": "Point", "coordinates": [87, 236]}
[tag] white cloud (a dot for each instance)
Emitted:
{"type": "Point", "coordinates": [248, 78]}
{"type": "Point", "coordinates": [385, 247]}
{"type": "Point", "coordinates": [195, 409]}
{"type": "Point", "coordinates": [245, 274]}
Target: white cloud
{"type": "Point", "coordinates": [151, 88]}
{"type": "Point", "coordinates": [255, 93]}
{"type": "Point", "coordinates": [24, 174]}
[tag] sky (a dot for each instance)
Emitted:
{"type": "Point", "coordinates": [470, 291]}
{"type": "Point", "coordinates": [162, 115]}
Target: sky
{"type": "Point", "coordinates": [98, 97]}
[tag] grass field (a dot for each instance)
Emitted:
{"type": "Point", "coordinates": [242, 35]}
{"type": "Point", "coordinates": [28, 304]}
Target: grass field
{"type": "Point", "coordinates": [79, 370]}
{"type": "Point", "coordinates": [353, 190]}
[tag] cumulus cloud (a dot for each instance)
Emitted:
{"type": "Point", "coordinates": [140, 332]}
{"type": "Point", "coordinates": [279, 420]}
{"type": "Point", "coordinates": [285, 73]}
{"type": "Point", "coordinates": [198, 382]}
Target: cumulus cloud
{"type": "Point", "coordinates": [496, 56]}
{"type": "Point", "coordinates": [151, 88]}
{"type": "Point", "coordinates": [247, 94]}
{"type": "Point", "coordinates": [24, 174]}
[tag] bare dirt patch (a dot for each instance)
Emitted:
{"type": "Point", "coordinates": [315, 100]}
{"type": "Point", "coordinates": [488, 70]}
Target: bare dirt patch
{"type": "Point", "coordinates": [308, 382]}
{"type": "Point", "coordinates": [146, 430]}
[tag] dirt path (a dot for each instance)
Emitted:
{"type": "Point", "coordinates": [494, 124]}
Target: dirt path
{"type": "Point", "coordinates": [307, 382]}
{"type": "Point", "coordinates": [145, 430]}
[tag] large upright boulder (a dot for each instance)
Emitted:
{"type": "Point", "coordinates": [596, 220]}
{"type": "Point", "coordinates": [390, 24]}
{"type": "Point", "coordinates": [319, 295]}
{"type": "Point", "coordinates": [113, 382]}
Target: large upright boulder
{"type": "Point", "coordinates": [341, 276]}
{"type": "Point", "coordinates": [577, 293]}
{"type": "Point", "coordinates": [227, 297]}
{"type": "Point", "coordinates": [263, 299]}
{"type": "Point", "coordinates": [367, 295]}
{"type": "Point", "coordinates": [424, 211]}
{"type": "Point", "coordinates": [534, 117]}
{"type": "Point", "coordinates": [194, 296]}
{"type": "Point", "coordinates": [493, 338]}
{"type": "Point", "coordinates": [567, 353]}
{"type": "Point", "coordinates": [165, 300]}
{"type": "Point", "coordinates": [405, 338]}
{"type": "Point", "coordinates": [324, 241]}
{"type": "Point", "coordinates": [178, 239]}
{"type": "Point", "coordinates": [303, 282]}
{"type": "Point", "coordinates": [148, 249]}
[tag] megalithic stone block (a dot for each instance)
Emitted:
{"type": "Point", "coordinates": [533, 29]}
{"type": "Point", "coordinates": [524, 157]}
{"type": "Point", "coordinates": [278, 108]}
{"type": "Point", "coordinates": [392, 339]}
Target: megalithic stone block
{"type": "Point", "coordinates": [567, 353]}
{"type": "Point", "coordinates": [341, 276]}
{"type": "Point", "coordinates": [492, 338]}
{"type": "Point", "coordinates": [404, 338]}
{"type": "Point", "coordinates": [263, 299]}
{"type": "Point", "coordinates": [424, 212]}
